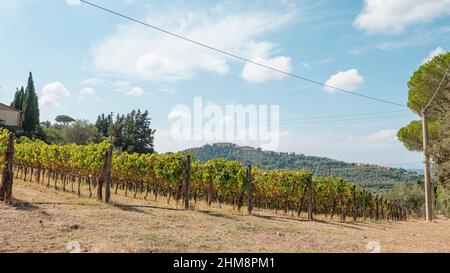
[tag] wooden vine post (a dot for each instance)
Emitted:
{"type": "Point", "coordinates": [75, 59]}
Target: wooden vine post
{"type": "Point", "coordinates": [187, 182]}
{"type": "Point", "coordinates": [342, 205]}
{"type": "Point", "coordinates": [364, 203]}
{"type": "Point", "coordinates": [377, 207]}
{"type": "Point", "coordinates": [109, 155]}
{"type": "Point", "coordinates": [8, 175]}
{"type": "Point", "coordinates": [100, 180]}
{"type": "Point", "coordinates": [250, 191]}
{"type": "Point", "coordinates": [310, 200]}
{"type": "Point", "coordinates": [106, 168]}
{"type": "Point", "coordinates": [354, 203]}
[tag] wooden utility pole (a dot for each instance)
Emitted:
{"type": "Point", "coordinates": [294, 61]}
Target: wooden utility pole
{"type": "Point", "coordinates": [427, 172]}
{"type": "Point", "coordinates": [250, 190]}
{"type": "Point", "coordinates": [187, 182]}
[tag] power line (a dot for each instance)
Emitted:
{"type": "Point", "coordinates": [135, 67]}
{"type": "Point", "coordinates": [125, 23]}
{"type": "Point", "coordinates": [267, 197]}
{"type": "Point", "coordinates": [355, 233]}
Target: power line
{"type": "Point", "coordinates": [344, 120]}
{"type": "Point", "coordinates": [328, 116]}
{"type": "Point", "coordinates": [315, 120]}
{"type": "Point", "coordinates": [439, 87]}
{"type": "Point", "coordinates": [344, 116]}
{"type": "Point", "coordinates": [241, 58]}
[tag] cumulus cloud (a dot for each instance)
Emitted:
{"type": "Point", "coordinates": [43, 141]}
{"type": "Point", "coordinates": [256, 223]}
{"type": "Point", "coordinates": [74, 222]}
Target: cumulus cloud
{"type": "Point", "coordinates": [438, 51]}
{"type": "Point", "coordinates": [139, 53]}
{"type": "Point", "coordinates": [349, 80]}
{"type": "Point", "coordinates": [255, 73]}
{"type": "Point", "coordinates": [389, 134]}
{"type": "Point", "coordinates": [177, 114]}
{"type": "Point", "coordinates": [51, 93]}
{"type": "Point", "coordinates": [167, 90]}
{"type": "Point", "coordinates": [88, 92]}
{"type": "Point", "coordinates": [135, 92]}
{"type": "Point", "coordinates": [387, 16]}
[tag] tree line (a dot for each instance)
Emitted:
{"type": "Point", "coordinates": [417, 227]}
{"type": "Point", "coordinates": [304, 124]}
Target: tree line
{"type": "Point", "coordinates": [130, 132]}
{"type": "Point", "coordinates": [26, 100]}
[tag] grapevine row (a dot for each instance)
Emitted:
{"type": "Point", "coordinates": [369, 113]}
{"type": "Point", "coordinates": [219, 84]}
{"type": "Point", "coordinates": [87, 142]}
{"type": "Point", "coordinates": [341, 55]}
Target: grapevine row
{"type": "Point", "coordinates": [216, 181]}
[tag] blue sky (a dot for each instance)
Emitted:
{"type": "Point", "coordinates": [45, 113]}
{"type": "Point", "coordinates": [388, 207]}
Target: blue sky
{"type": "Point", "coordinates": [86, 62]}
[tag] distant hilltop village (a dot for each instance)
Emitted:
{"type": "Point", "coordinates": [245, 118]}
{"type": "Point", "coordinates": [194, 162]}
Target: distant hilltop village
{"type": "Point", "coordinates": [252, 149]}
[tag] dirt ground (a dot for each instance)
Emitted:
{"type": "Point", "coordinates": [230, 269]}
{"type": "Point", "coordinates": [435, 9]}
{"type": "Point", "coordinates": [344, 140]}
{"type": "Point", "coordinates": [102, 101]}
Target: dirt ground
{"type": "Point", "coordinates": [46, 220]}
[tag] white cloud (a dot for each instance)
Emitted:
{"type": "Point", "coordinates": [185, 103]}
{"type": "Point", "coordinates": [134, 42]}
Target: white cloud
{"type": "Point", "coordinates": [73, 2]}
{"type": "Point", "coordinates": [255, 73]}
{"type": "Point", "coordinates": [388, 135]}
{"type": "Point", "coordinates": [139, 53]}
{"type": "Point", "coordinates": [88, 92]}
{"type": "Point", "coordinates": [135, 92]}
{"type": "Point", "coordinates": [358, 50]}
{"type": "Point", "coordinates": [177, 114]}
{"type": "Point", "coordinates": [95, 81]}
{"type": "Point", "coordinates": [438, 51]}
{"type": "Point", "coordinates": [114, 85]}
{"type": "Point", "coordinates": [348, 80]}
{"type": "Point", "coordinates": [393, 16]}
{"type": "Point", "coordinates": [51, 93]}
{"type": "Point", "coordinates": [167, 90]}
{"type": "Point", "coordinates": [324, 61]}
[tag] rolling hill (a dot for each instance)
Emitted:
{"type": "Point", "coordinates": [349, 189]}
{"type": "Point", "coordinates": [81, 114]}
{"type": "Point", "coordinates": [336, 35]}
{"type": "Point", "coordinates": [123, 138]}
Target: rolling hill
{"type": "Point", "coordinates": [369, 176]}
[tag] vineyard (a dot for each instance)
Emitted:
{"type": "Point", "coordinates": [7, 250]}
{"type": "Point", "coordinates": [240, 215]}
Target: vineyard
{"type": "Point", "coordinates": [173, 176]}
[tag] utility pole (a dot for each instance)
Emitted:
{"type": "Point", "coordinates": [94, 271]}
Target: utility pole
{"type": "Point", "coordinates": [427, 171]}
{"type": "Point", "coordinates": [429, 189]}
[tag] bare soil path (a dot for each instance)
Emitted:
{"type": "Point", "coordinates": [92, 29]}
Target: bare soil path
{"type": "Point", "coordinates": [46, 220]}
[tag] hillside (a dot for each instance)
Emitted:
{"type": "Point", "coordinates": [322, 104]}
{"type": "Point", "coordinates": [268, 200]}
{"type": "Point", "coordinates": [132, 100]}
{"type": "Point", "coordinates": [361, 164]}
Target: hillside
{"type": "Point", "coordinates": [370, 176]}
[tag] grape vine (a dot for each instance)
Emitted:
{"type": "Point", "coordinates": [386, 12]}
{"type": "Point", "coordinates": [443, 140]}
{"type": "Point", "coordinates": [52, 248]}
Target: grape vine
{"type": "Point", "coordinates": [216, 181]}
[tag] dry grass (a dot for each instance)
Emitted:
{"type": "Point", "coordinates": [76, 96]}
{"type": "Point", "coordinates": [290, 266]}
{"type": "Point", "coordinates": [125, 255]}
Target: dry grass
{"type": "Point", "coordinates": [46, 220]}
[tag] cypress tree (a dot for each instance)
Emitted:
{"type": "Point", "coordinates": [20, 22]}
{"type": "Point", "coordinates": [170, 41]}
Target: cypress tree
{"type": "Point", "coordinates": [30, 108]}
{"type": "Point", "coordinates": [15, 103]}
{"type": "Point", "coordinates": [18, 99]}
{"type": "Point", "coordinates": [21, 98]}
